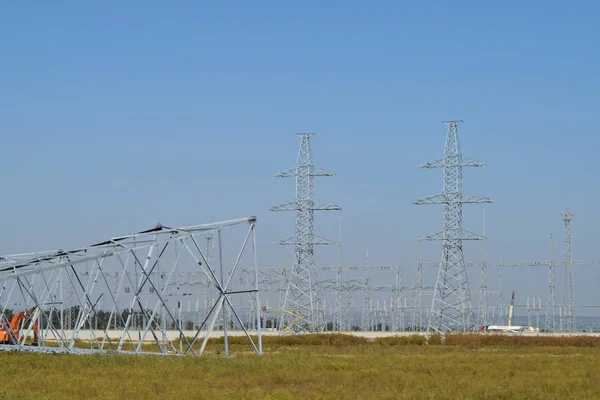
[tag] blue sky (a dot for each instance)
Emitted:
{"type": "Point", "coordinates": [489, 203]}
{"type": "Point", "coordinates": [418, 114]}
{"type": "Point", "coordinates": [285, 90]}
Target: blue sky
{"type": "Point", "coordinates": [117, 115]}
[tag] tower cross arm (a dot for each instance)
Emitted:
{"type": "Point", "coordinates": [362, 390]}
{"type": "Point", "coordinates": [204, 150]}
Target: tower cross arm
{"type": "Point", "coordinates": [292, 172]}
{"type": "Point", "coordinates": [468, 162]}
{"type": "Point", "coordinates": [433, 199]}
{"type": "Point", "coordinates": [432, 237]}
{"type": "Point", "coordinates": [326, 207]}
{"type": "Point", "coordinates": [542, 263]}
{"type": "Point", "coordinates": [321, 172]}
{"type": "Point", "coordinates": [300, 206]}
{"type": "Point", "coordinates": [437, 264]}
{"type": "Point", "coordinates": [310, 239]}
{"type": "Point", "coordinates": [288, 173]}
{"type": "Point", "coordinates": [433, 164]}
{"type": "Point", "coordinates": [585, 262]}
{"type": "Point", "coordinates": [441, 199]}
{"type": "Point", "coordinates": [291, 206]}
{"type": "Point", "coordinates": [465, 235]}
{"type": "Point", "coordinates": [473, 199]}
{"type": "Point", "coordinates": [465, 162]}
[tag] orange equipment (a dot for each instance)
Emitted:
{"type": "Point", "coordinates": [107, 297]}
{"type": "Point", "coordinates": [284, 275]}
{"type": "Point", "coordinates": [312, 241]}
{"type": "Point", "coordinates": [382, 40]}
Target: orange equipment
{"type": "Point", "coordinates": [10, 334]}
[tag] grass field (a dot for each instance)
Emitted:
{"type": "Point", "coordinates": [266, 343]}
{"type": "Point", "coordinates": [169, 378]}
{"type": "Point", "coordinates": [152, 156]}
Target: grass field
{"type": "Point", "coordinates": [324, 366]}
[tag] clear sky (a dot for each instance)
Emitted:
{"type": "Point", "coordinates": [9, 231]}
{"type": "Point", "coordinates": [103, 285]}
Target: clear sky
{"type": "Point", "coordinates": [118, 115]}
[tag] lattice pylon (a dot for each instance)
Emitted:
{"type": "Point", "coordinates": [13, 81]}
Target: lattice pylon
{"type": "Point", "coordinates": [551, 308]}
{"type": "Point", "coordinates": [303, 303]}
{"type": "Point", "coordinates": [396, 304]}
{"type": "Point", "coordinates": [451, 308]}
{"type": "Point", "coordinates": [568, 317]}
{"type": "Point", "coordinates": [417, 314]}
{"type": "Point", "coordinates": [483, 317]}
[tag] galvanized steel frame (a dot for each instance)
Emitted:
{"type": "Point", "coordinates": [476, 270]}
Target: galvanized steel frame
{"type": "Point", "coordinates": [89, 274]}
{"type": "Point", "coordinates": [451, 308]}
{"type": "Point", "coordinates": [303, 289]}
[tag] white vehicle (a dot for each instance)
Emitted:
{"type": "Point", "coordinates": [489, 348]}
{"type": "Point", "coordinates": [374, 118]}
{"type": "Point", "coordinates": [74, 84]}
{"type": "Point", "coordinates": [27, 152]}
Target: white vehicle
{"type": "Point", "coordinates": [504, 328]}
{"type": "Point", "coordinates": [510, 327]}
{"type": "Point", "coordinates": [507, 328]}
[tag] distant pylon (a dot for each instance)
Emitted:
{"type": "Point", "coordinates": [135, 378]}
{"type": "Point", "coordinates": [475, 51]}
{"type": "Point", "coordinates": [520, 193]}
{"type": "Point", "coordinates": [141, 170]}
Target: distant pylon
{"type": "Point", "coordinates": [483, 291]}
{"type": "Point", "coordinates": [551, 308]}
{"type": "Point", "coordinates": [417, 314]}
{"type": "Point", "coordinates": [567, 295]}
{"type": "Point", "coordinates": [303, 291]}
{"type": "Point", "coordinates": [366, 324]}
{"type": "Point", "coordinates": [451, 308]}
{"type": "Point", "coordinates": [396, 304]}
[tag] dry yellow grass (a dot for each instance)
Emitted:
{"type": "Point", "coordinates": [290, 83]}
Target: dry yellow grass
{"type": "Point", "coordinates": [326, 367]}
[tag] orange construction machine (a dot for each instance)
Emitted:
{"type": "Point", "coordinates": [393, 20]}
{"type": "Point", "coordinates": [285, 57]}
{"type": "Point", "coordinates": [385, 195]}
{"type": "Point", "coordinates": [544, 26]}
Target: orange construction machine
{"type": "Point", "coordinates": [11, 334]}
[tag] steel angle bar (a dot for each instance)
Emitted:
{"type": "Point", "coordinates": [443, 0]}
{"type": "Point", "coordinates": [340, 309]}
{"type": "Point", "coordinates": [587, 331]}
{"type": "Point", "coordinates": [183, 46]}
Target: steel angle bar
{"type": "Point", "coordinates": [162, 302]}
{"type": "Point", "coordinates": [242, 325]}
{"type": "Point", "coordinates": [16, 271]}
{"type": "Point", "coordinates": [141, 285]}
{"type": "Point", "coordinates": [115, 297]}
{"type": "Point", "coordinates": [226, 289]}
{"type": "Point", "coordinates": [135, 299]}
{"type": "Point", "coordinates": [239, 257]}
{"type": "Point", "coordinates": [54, 259]}
{"type": "Point", "coordinates": [83, 310]}
{"type": "Point", "coordinates": [38, 306]}
{"type": "Point", "coordinates": [257, 297]}
{"type": "Point", "coordinates": [143, 270]}
{"type": "Point", "coordinates": [49, 317]}
{"type": "Point", "coordinates": [7, 299]}
{"type": "Point", "coordinates": [216, 225]}
{"type": "Point", "coordinates": [205, 265]}
{"type": "Point", "coordinates": [201, 327]}
{"type": "Point", "coordinates": [211, 324]}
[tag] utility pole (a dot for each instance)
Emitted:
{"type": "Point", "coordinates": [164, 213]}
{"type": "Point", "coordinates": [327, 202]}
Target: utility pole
{"type": "Point", "coordinates": [303, 291]}
{"type": "Point", "coordinates": [567, 295]}
{"type": "Point", "coordinates": [451, 309]}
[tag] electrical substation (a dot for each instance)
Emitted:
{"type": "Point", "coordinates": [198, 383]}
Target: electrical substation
{"type": "Point", "coordinates": [178, 287]}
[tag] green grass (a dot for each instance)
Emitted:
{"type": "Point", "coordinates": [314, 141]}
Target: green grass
{"type": "Point", "coordinates": [321, 366]}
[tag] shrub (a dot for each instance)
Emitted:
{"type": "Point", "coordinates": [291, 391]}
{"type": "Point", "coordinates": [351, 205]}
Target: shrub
{"type": "Point", "coordinates": [401, 340]}
{"type": "Point", "coordinates": [435, 339]}
{"type": "Point", "coordinates": [490, 339]}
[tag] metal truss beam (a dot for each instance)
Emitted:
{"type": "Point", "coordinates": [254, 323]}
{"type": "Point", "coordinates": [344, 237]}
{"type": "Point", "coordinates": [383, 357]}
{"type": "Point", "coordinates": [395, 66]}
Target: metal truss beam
{"type": "Point", "coordinates": [121, 294]}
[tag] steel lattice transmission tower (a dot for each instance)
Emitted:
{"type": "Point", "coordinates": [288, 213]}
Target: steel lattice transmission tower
{"type": "Point", "coordinates": [417, 315]}
{"type": "Point", "coordinates": [551, 308]}
{"type": "Point", "coordinates": [483, 291]}
{"type": "Point", "coordinates": [302, 302]}
{"type": "Point", "coordinates": [451, 308]}
{"type": "Point", "coordinates": [567, 295]}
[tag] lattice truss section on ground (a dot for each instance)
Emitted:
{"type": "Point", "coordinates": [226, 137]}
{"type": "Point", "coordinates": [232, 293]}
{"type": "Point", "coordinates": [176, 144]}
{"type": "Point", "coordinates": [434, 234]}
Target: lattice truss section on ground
{"type": "Point", "coordinates": [126, 294]}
